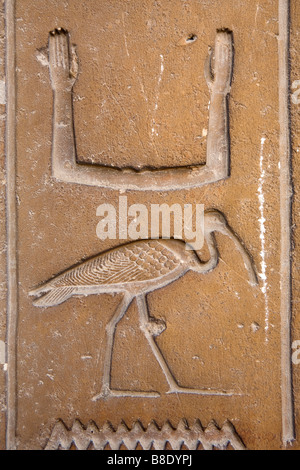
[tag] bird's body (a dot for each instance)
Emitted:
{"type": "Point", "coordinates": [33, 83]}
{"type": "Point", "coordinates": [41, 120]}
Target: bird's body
{"type": "Point", "coordinates": [133, 270]}
{"type": "Point", "coordinates": [137, 267]}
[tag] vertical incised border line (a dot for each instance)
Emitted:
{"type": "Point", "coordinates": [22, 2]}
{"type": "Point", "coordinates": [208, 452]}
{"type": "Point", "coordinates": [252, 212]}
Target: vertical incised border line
{"type": "Point", "coordinates": [288, 430]}
{"type": "Point", "coordinates": [11, 209]}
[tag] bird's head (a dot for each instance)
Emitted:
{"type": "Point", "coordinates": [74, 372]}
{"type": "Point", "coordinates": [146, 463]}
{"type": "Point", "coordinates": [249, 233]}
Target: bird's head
{"type": "Point", "coordinates": [214, 221]}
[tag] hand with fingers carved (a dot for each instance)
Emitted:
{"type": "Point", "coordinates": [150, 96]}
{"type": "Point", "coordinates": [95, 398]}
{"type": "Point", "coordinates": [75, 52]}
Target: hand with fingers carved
{"type": "Point", "coordinates": [63, 61]}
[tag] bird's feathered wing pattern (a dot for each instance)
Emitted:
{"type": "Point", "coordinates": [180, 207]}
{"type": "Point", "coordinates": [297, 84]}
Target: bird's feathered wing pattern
{"type": "Point", "coordinates": [134, 262]}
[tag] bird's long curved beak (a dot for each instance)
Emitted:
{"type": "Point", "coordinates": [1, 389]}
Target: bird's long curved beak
{"type": "Point", "coordinates": [249, 265]}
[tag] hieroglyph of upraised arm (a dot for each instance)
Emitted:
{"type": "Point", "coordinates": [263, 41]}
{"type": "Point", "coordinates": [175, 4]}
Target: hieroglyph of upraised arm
{"type": "Point", "coordinates": [218, 78]}
{"type": "Point", "coordinates": [63, 65]}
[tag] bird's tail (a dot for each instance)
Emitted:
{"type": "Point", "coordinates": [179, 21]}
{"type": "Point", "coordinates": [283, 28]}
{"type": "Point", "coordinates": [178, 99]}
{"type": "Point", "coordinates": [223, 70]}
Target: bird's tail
{"type": "Point", "coordinates": [37, 291]}
{"type": "Point", "coordinates": [55, 296]}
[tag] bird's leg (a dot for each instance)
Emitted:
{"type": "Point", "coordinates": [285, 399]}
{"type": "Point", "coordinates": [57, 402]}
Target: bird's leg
{"type": "Point", "coordinates": [110, 336]}
{"type": "Point", "coordinates": [144, 322]}
{"type": "Point", "coordinates": [106, 390]}
{"type": "Point", "coordinates": [174, 387]}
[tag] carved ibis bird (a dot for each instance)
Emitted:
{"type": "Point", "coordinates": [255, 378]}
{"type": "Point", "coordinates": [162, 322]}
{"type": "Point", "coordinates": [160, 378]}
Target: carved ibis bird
{"type": "Point", "coordinates": [135, 269]}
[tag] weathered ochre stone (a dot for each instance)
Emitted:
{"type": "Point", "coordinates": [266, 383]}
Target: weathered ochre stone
{"type": "Point", "coordinates": [140, 100]}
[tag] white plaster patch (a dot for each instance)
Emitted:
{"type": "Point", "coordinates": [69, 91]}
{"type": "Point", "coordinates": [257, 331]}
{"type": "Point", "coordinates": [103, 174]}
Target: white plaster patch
{"type": "Point", "coordinates": [154, 128]}
{"type": "Point", "coordinates": [262, 220]}
{"type": "Point", "coordinates": [42, 57]}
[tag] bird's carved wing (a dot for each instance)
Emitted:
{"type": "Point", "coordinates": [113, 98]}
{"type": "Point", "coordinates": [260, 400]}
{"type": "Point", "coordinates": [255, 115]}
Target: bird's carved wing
{"type": "Point", "coordinates": [138, 261]}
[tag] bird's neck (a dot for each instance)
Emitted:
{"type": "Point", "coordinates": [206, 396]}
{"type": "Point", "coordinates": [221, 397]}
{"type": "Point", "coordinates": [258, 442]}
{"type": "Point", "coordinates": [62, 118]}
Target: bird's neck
{"type": "Point", "coordinates": [204, 267]}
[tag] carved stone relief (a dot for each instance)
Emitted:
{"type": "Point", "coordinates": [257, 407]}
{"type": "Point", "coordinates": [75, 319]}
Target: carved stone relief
{"type": "Point", "coordinates": [167, 105]}
{"type": "Point", "coordinates": [135, 269]}
{"type": "Point", "coordinates": [151, 438]}
{"type": "Point", "coordinates": [63, 64]}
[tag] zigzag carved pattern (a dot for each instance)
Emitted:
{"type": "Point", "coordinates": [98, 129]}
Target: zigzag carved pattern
{"type": "Point", "coordinates": [152, 437]}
